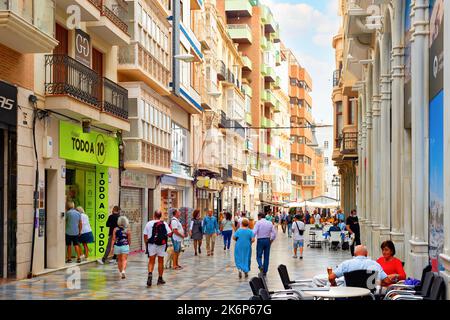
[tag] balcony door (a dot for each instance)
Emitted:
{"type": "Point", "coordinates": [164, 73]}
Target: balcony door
{"type": "Point", "coordinates": [59, 67]}
{"type": "Point", "coordinates": [97, 66]}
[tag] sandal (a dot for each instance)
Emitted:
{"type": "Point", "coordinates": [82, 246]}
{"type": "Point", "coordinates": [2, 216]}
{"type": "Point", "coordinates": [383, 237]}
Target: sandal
{"type": "Point", "coordinates": [69, 261]}
{"type": "Point", "coordinates": [78, 260]}
{"type": "Point", "coordinates": [178, 268]}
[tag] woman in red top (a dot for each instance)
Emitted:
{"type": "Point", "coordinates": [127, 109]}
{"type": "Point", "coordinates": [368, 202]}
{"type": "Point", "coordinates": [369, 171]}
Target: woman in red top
{"type": "Point", "coordinates": [391, 265]}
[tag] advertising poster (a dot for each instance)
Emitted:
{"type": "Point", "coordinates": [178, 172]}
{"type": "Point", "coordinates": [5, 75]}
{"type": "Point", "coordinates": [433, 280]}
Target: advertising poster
{"type": "Point", "coordinates": [436, 133]}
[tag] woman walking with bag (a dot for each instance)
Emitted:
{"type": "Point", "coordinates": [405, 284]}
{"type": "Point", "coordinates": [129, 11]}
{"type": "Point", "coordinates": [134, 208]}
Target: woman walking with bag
{"type": "Point", "coordinates": [298, 228]}
{"type": "Point", "coordinates": [196, 231]}
{"type": "Point", "coordinates": [122, 240]}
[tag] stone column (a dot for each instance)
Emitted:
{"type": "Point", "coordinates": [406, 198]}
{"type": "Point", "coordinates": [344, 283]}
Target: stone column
{"type": "Point", "coordinates": [376, 167]}
{"type": "Point", "coordinates": [420, 101]}
{"type": "Point", "coordinates": [445, 256]}
{"type": "Point", "coordinates": [385, 89]}
{"type": "Point", "coordinates": [369, 176]}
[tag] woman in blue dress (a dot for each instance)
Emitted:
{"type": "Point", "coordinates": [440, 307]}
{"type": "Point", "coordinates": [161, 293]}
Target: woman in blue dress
{"type": "Point", "coordinates": [244, 238]}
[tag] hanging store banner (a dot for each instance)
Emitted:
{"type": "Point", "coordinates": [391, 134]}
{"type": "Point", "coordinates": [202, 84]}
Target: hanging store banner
{"type": "Point", "coordinates": [101, 210]}
{"type": "Point", "coordinates": [83, 47]}
{"type": "Point", "coordinates": [93, 148]}
{"type": "Point", "coordinates": [436, 134]}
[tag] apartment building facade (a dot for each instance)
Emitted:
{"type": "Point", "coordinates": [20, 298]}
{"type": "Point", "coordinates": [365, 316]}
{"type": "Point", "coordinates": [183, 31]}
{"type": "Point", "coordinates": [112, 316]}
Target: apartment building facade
{"type": "Point", "coordinates": [70, 115]}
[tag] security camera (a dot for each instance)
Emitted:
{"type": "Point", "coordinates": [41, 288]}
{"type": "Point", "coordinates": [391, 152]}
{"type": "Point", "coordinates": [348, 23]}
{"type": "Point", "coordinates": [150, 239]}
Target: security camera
{"type": "Point", "coordinates": [86, 123]}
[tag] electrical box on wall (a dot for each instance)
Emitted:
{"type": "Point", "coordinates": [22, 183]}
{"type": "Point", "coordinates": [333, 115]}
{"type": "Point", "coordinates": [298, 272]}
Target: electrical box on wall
{"type": "Point", "coordinates": [47, 145]}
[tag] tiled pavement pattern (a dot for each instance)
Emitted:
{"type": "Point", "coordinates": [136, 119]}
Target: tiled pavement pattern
{"type": "Point", "coordinates": [213, 278]}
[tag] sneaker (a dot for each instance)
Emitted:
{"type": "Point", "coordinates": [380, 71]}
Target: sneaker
{"type": "Point", "coordinates": [79, 260]}
{"type": "Point", "coordinates": [240, 274]}
{"type": "Point", "coordinates": [100, 261]}
{"type": "Point", "coordinates": [123, 275]}
{"type": "Point", "coordinates": [224, 248]}
{"type": "Point", "coordinates": [69, 261]}
{"type": "Point", "coordinates": [149, 280]}
{"type": "Point", "coordinates": [294, 256]}
{"type": "Point", "coordinates": [246, 274]}
{"type": "Point", "coordinates": [301, 257]}
{"type": "Point", "coordinates": [160, 281]}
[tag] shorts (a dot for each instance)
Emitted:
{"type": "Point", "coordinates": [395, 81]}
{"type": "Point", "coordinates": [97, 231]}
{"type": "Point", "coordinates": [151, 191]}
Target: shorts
{"type": "Point", "coordinates": [72, 240]}
{"type": "Point", "coordinates": [155, 250]}
{"type": "Point", "coordinates": [176, 246]}
{"type": "Point", "coordinates": [87, 237]}
{"type": "Point", "coordinates": [121, 249]}
{"type": "Point", "coordinates": [298, 243]}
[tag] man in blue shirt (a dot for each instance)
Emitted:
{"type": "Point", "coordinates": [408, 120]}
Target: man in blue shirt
{"type": "Point", "coordinates": [265, 234]}
{"type": "Point", "coordinates": [359, 262]}
{"type": "Point", "coordinates": [73, 231]}
{"type": "Point", "coordinates": [210, 230]}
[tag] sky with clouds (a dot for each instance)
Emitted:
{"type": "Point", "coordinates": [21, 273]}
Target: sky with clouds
{"type": "Point", "coordinates": [307, 27]}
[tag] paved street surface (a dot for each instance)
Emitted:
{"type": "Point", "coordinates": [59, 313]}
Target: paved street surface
{"type": "Point", "coordinates": [204, 278]}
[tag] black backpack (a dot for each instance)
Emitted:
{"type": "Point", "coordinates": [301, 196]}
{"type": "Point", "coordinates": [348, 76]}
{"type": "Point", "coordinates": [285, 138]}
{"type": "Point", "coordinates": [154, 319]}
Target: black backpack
{"type": "Point", "coordinates": [159, 234]}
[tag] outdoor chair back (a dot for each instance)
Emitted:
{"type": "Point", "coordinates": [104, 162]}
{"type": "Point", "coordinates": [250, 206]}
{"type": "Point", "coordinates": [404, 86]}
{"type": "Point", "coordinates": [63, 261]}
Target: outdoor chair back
{"type": "Point", "coordinates": [255, 285]}
{"type": "Point", "coordinates": [437, 291]}
{"type": "Point", "coordinates": [284, 275]}
{"type": "Point", "coordinates": [335, 236]}
{"type": "Point", "coordinates": [361, 279]}
{"type": "Point", "coordinates": [425, 289]}
{"type": "Point", "coordinates": [427, 269]}
{"type": "Point", "coordinates": [264, 294]}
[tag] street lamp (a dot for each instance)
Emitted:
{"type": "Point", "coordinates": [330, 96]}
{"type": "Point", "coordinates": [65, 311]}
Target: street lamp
{"type": "Point", "coordinates": [336, 182]}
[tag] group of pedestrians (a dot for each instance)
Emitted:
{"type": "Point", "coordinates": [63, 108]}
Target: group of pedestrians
{"type": "Point", "coordinates": [78, 230]}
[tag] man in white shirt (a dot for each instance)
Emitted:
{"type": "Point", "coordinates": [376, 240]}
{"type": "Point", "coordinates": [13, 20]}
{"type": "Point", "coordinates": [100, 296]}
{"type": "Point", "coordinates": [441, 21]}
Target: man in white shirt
{"type": "Point", "coordinates": [156, 241]}
{"type": "Point", "coordinates": [317, 217]}
{"type": "Point", "coordinates": [177, 238]}
{"type": "Point", "coordinates": [298, 228]}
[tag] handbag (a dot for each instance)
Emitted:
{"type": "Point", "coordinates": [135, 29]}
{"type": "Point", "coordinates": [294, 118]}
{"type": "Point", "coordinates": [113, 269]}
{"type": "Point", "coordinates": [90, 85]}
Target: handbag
{"type": "Point", "coordinates": [298, 228]}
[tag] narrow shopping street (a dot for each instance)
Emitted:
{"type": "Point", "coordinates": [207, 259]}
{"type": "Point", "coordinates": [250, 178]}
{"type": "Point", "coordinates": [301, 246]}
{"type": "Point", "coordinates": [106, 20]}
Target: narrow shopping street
{"type": "Point", "coordinates": [205, 278]}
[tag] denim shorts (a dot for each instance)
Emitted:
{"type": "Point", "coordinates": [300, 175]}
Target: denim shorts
{"type": "Point", "coordinates": [121, 249]}
{"type": "Point", "coordinates": [176, 246]}
{"type": "Point", "coordinates": [298, 243]}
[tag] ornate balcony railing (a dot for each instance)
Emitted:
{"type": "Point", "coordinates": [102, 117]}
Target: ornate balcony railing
{"type": "Point", "coordinates": [114, 10]}
{"type": "Point", "coordinates": [221, 71]}
{"type": "Point", "coordinates": [336, 77]}
{"type": "Point", "coordinates": [115, 99]}
{"type": "Point", "coordinates": [223, 119]}
{"type": "Point", "coordinates": [66, 76]}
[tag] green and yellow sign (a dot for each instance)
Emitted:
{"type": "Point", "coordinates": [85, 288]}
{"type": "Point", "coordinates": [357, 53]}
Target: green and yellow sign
{"type": "Point", "coordinates": [101, 211]}
{"type": "Point", "coordinates": [93, 148]}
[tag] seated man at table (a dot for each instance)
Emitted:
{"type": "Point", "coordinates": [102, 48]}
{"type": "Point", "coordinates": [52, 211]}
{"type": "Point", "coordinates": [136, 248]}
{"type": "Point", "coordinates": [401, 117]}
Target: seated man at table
{"type": "Point", "coordinates": [359, 262]}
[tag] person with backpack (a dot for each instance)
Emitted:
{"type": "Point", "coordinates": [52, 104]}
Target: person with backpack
{"type": "Point", "coordinates": [156, 234]}
{"type": "Point", "coordinates": [177, 238]}
{"type": "Point", "coordinates": [298, 228]}
{"type": "Point", "coordinates": [122, 241]}
{"type": "Point", "coordinates": [196, 231]}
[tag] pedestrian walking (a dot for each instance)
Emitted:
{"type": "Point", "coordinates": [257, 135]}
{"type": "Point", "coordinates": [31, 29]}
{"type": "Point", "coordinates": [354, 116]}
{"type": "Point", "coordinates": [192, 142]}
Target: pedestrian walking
{"type": "Point", "coordinates": [196, 231]}
{"type": "Point", "coordinates": [354, 230]}
{"type": "Point", "coordinates": [74, 226]}
{"type": "Point", "coordinates": [244, 238]}
{"type": "Point", "coordinates": [86, 235]}
{"type": "Point", "coordinates": [298, 228]}
{"type": "Point", "coordinates": [307, 218]}
{"type": "Point", "coordinates": [226, 227]}
{"type": "Point", "coordinates": [283, 219]}
{"type": "Point", "coordinates": [265, 234]}
{"type": "Point", "coordinates": [122, 241]}
{"type": "Point", "coordinates": [111, 223]}
{"type": "Point", "coordinates": [210, 230]}
{"type": "Point", "coordinates": [156, 234]}
{"type": "Point", "coordinates": [177, 238]}
{"type": "Point", "coordinates": [289, 220]}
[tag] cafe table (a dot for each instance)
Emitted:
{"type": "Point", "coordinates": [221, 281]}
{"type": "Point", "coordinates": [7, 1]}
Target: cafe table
{"type": "Point", "coordinates": [338, 292]}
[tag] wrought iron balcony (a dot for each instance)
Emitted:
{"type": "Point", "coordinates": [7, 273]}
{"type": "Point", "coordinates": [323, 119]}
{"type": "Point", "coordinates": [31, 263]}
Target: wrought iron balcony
{"type": "Point", "coordinates": [336, 78]}
{"type": "Point", "coordinates": [115, 99]}
{"type": "Point", "coordinates": [64, 76]}
{"type": "Point", "coordinates": [223, 120]}
{"type": "Point", "coordinates": [221, 71]}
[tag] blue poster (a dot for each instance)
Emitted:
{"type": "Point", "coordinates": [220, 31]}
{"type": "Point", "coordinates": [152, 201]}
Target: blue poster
{"type": "Point", "coordinates": [436, 218]}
